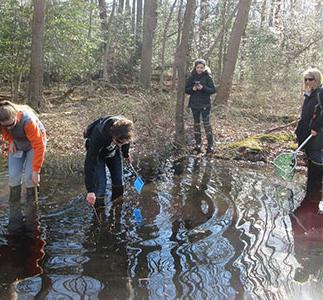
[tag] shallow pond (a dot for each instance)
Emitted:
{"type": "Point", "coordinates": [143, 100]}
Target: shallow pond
{"type": "Point", "coordinates": [205, 229]}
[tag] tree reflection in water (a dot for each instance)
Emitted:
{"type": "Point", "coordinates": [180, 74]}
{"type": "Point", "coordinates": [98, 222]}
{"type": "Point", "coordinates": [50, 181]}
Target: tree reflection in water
{"type": "Point", "coordinates": [21, 256]}
{"type": "Point", "coordinates": [208, 231]}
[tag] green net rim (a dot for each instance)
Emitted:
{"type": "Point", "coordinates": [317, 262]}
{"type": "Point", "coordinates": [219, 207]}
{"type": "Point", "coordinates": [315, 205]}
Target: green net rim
{"type": "Point", "coordinates": [286, 174]}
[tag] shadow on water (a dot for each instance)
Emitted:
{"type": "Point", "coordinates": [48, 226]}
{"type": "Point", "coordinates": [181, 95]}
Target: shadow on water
{"type": "Point", "coordinates": [204, 230]}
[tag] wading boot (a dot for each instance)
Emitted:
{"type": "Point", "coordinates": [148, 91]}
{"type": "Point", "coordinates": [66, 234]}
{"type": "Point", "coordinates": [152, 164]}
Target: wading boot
{"type": "Point", "coordinates": [117, 193]}
{"type": "Point", "coordinates": [31, 218]}
{"type": "Point", "coordinates": [99, 201]}
{"type": "Point", "coordinates": [209, 137]}
{"type": "Point", "coordinates": [16, 223]}
{"type": "Point", "coordinates": [99, 210]}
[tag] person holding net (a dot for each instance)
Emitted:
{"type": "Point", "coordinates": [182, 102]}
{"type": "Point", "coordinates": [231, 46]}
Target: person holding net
{"type": "Point", "coordinates": [311, 123]}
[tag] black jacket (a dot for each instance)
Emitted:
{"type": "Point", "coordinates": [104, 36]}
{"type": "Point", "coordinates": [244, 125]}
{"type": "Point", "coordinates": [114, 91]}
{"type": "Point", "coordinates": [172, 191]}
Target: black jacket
{"type": "Point", "coordinates": [200, 99]}
{"type": "Point", "coordinates": [311, 118]}
{"type": "Point", "coordinates": [98, 145]}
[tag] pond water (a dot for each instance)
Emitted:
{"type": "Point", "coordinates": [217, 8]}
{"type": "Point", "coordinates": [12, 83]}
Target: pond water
{"type": "Point", "coordinates": [205, 229]}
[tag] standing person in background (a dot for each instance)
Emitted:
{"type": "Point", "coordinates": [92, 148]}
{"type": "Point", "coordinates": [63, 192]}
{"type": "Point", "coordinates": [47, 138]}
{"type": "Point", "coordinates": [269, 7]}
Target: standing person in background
{"type": "Point", "coordinates": [25, 134]}
{"type": "Point", "coordinates": [200, 86]}
{"type": "Point", "coordinates": [106, 138]}
{"type": "Point", "coordinates": [311, 122]}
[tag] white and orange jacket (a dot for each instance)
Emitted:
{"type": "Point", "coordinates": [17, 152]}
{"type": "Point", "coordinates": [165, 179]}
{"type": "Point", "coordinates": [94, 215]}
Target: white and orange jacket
{"type": "Point", "coordinates": [29, 133]}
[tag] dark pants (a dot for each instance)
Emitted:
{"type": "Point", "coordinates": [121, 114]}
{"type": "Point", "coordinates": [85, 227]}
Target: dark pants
{"type": "Point", "coordinates": [115, 167]}
{"type": "Point", "coordinates": [314, 182]}
{"type": "Point", "coordinates": [205, 113]}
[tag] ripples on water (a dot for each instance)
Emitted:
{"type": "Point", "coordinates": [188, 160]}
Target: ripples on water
{"type": "Point", "coordinates": [209, 230]}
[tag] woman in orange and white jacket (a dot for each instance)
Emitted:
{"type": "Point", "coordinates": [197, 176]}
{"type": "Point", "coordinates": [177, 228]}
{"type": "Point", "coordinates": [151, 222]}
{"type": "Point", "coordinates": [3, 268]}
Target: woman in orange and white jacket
{"type": "Point", "coordinates": [25, 134]}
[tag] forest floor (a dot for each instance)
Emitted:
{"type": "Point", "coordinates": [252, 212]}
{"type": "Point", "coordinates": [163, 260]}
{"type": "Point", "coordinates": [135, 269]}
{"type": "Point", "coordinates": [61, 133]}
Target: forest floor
{"type": "Point", "coordinates": [253, 128]}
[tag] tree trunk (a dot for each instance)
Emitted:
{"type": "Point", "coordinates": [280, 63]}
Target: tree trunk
{"type": "Point", "coordinates": [163, 48]}
{"type": "Point", "coordinates": [150, 22]}
{"type": "Point", "coordinates": [180, 61]}
{"type": "Point", "coordinates": [232, 54]}
{"type": "Point", "coordinates": [128, 9]}
{"type": "Point", "coordinates": [139, 22]}
{"type": "Point", "coordinates": [121, 6]}
{"type": "Point", "coordinates": [203, 38]}
{"type": "Point", "coordinates": [178, 40]}
{"type": "Point", "coordinates": [89, 34]}
{"type": "Point", "coordinates": [224, 29]}
{"type": "Point", "coordinates": [36, 70]}
{"type": "Point", "coordinates": [105, 27]}
{"type": "Point", "coordinates": [133, 17]}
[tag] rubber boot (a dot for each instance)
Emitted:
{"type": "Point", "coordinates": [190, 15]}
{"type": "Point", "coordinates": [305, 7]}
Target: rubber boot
{"type": "Point", "coordinates": [117, 192]}
{"type": "Point", "coordinates": [114, 225]}
{"type": "Point", "coordinates": [16, 223]}
{"type": "Point", "coordinates": [99, 202]}
{"type": "Point", "coordinates": [209, 137]}
{"type": "Point", "coordinates": [197, 135]}
{"type": "Point", "coordinates": [31, 218]}
{"type": "Point", "coordinates": [99, 210]}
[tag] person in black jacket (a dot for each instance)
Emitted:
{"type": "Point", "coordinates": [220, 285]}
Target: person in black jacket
{"type": "Point", "coordinates": [311, 122]}
{"type": "Point", "coordinates": [200, 86]}
{"type": "Point", "coordinates": [107, 137]}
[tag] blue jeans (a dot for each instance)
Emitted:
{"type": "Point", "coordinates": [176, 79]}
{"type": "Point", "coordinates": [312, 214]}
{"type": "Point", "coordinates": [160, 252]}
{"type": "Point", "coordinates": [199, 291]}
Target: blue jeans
{"type": "Point", "coordinates": [315, 155]}
{"type": "Point", "coordinates": [20, 167]}
{"type": "Point", "coordinates": [115, 167]}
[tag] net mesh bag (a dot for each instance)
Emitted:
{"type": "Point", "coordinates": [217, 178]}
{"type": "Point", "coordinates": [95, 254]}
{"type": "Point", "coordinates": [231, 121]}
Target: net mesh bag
{"type": "Point", "coordinates": [285, 165]}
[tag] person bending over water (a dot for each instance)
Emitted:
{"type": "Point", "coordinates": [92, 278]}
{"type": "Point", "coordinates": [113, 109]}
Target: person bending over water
{"type": "Point", "coordinates": [107, 141]}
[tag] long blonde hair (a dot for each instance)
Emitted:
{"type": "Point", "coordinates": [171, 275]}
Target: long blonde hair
{"type": "Point", "coordinates": [9, 110]}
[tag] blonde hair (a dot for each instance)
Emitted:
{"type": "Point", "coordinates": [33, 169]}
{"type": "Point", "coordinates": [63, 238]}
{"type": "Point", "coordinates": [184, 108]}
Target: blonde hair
{"type": "Point", "coordinates": [9, 110]}
{"type": "Point", "coordinates": [316, 74]}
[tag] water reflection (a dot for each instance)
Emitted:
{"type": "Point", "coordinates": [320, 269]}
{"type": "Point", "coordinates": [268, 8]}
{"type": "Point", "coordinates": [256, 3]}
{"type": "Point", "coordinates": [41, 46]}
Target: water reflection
{"type": "Point", "coordinates": [22, 250]}
{"type": "Point", "coordinates": [207, 230]}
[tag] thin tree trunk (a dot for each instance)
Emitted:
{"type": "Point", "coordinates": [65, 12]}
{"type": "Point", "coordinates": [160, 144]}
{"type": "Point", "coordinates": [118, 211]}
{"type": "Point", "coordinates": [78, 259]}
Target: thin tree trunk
{"type": "Point", "coordinates": [225, 25]}
{"type": "Point", "coordinates": [232, 54]}
{"type": "Point", "coordinates": [89, 34]}
{"type": "Point", "coordinates": [202, 39]}
{"type": "Point", "coordinates": [133, 17]}
{"type": "Point", "coordinates": [180, 61]}
{"type": "Point", "coordinates": [150, 22]}
{"type": "Point", "coordinates": [36, 70]}
{"type": "Point", "coordinates": [105, 27]}
{"type": "Point", "coordinates": [178, 40]}
{"type": "Point", "coordinates": [163, 48]}
{"type": "Point", "coordinates": [139, 23]}
{"type": "Point", "coordinates": [128, 9]}
{"type": "Point", "coordinates": [121, 6]}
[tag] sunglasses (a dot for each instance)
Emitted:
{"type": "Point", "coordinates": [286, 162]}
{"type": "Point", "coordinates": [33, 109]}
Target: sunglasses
{"type": "Point", "coordinates": [308, 79]}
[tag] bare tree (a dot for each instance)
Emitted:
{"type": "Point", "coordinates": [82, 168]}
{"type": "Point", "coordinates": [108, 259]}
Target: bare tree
{"type": "Point", "coordinates": [178, 40]}
{"type": "Point", "coordinates": [36, 70]}
{"type": "Point", "coordinates": [150, 22]}
{"type": "Point", "coordinates": [163, 48]}
{"type": "Point", "coordinates": [105, 27]}
{"type": "Point", "coordinates": [121, 6]}
{"type": "Point", "coordinates": [139, 22]}
{"type": "Point", "coordinates": [232, 53]}
{"type": "Point", "coordinates": [133, 17]}
{"type": "Point", "coordinates": [180, 62]}
{"type": "Point", "coordinates": [202, 38]}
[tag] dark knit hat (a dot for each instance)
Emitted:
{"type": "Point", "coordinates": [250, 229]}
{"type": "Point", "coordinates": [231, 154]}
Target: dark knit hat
{"type": "Point", "coordinates": [200, 61]}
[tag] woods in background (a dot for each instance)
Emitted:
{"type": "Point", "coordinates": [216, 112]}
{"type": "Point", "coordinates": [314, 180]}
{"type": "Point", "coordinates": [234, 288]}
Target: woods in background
{"type": "Point", "coordinates": [247, 44]}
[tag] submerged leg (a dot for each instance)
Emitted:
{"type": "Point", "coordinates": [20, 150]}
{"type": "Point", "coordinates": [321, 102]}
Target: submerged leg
{"type": "Point", "coordinates": [31, 217]}
{"type": "Point", "coordinates": [16, 224]}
